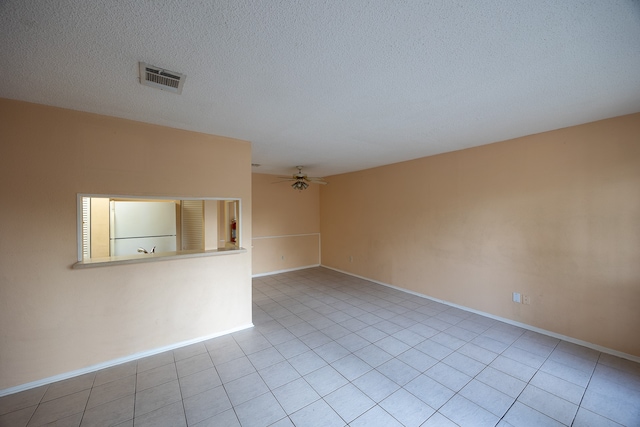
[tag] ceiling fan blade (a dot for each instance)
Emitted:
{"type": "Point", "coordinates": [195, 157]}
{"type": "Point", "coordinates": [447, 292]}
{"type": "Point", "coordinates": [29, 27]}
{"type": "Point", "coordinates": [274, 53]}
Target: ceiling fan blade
{"type": "Point", "coordinates": [316, 180]}
{"type": "Point", "coordinates": [300, 177]}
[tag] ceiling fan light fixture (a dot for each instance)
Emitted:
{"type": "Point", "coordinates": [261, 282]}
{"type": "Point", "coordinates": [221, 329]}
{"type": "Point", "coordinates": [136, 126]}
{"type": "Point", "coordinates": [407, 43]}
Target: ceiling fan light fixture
{"type": "Point", "coordinates": [299, 185]}
{"type": "Point", "coordinates": [300, 180]}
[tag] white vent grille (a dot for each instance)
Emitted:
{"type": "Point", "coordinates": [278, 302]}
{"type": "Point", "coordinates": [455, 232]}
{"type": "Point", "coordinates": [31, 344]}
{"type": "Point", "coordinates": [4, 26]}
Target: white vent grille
{"type": "Point", "coordinates": [159, 78]}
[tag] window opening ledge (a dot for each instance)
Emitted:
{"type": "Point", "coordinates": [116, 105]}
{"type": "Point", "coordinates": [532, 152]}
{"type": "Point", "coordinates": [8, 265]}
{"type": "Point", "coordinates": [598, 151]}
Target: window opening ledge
{"type": "Point", "coordinates": [156, 257]}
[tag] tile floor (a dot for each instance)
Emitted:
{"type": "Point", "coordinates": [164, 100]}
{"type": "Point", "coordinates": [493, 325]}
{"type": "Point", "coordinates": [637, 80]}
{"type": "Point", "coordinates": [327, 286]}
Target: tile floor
{"type": "Point", "coordinates": [332, 350]}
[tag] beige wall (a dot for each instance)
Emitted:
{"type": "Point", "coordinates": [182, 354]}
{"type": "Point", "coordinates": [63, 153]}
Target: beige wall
{"type": "Point", "coordinates": [286, 225]}
{"type": "Point", "coordinates": [55, 320]}
{"type": "Point", "coordinates": [555, 216]}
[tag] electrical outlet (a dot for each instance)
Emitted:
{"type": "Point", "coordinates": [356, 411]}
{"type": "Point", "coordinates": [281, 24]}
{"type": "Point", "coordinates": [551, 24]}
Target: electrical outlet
{"type": "Point", "coordinates": [350, 258]}
{"type": "Point", "coordinates": [282, 257]}
{"type": "Point", "coordinates": [516, 297]}
{"type": "Point", "coordinates": [526, 299]}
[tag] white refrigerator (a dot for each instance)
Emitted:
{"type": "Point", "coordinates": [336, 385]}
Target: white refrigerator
{"type": "Point", "coordinates": [139, 226]}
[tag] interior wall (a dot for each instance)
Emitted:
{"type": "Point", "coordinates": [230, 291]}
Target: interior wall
{"type": "Point", "coordinates": [286, 225]}
{"type": "Point", "coordinates": [55, 320]}
{"type": "Point", "coordinates": [554, 216]}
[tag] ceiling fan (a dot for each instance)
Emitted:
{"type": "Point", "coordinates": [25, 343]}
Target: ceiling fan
{"type": "Point", "coordinates": [301, 181]}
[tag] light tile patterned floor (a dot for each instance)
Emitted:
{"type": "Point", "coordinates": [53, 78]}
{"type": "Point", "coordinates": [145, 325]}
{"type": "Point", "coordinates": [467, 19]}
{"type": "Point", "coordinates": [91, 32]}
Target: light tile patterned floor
{"type": "Point", "coordinates": [332, 350]}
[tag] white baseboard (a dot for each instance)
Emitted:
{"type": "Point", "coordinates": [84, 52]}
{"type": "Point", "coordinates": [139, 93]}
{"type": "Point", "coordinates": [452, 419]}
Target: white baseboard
{"type": "Point", "coordinates": [271, 273]}
{"type": "Point", "coordinates": [503, 319]}
{"type": "Point", "coordinates": [110, 363]}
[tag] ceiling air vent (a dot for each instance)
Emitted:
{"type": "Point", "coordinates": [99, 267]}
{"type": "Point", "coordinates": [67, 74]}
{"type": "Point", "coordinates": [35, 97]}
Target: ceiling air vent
{"type": "Point", "coordinates": [153, 76]}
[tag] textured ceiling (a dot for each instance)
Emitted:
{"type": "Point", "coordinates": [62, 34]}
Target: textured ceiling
{"type": "Point", "coordinates": [334, 85]}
